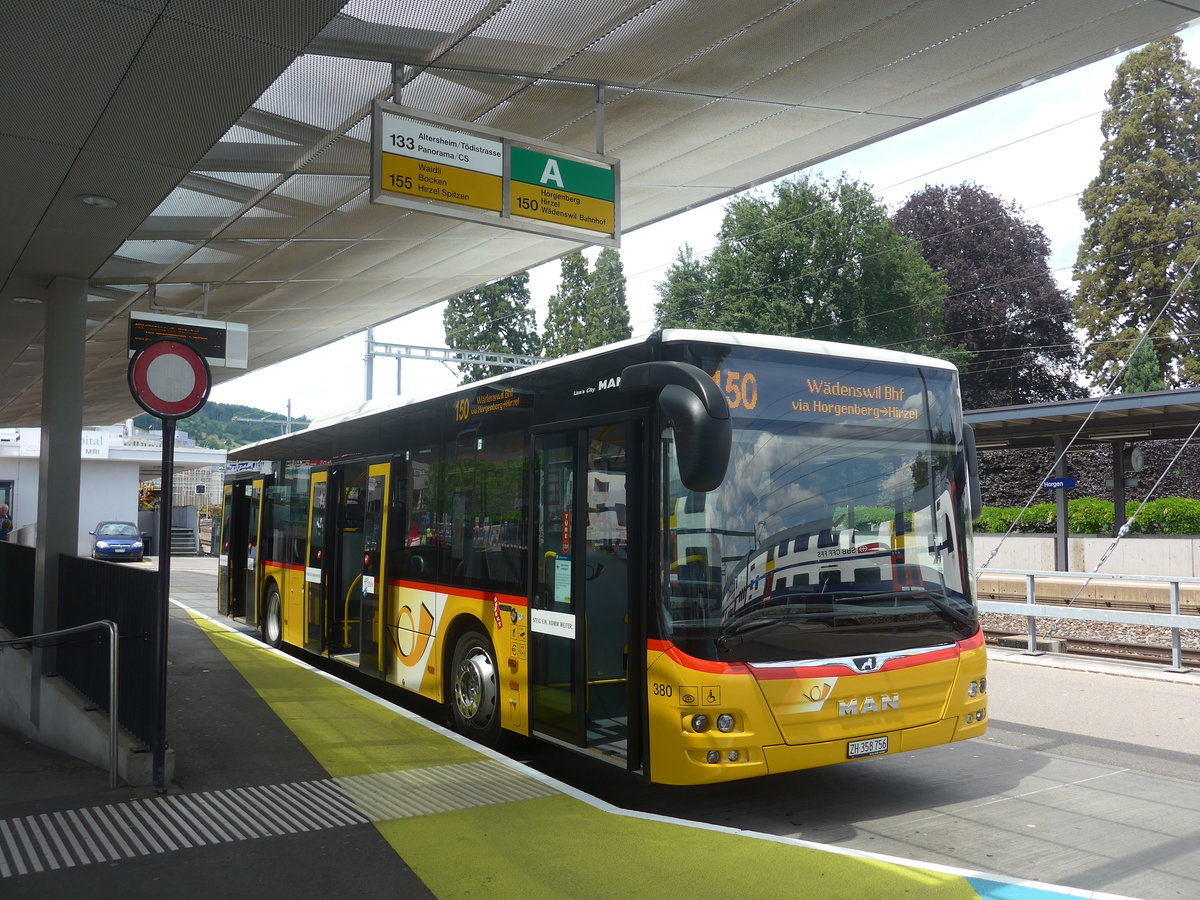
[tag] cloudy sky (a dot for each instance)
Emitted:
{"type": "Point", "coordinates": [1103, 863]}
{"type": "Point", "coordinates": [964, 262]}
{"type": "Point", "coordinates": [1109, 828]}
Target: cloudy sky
{"type": "Point", "coordinates": [1038, 147]}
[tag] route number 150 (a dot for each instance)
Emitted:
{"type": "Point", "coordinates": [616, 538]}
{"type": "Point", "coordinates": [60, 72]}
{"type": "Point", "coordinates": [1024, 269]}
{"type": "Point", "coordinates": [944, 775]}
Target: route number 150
{"type": "Point", "coordinates": [741, 389]}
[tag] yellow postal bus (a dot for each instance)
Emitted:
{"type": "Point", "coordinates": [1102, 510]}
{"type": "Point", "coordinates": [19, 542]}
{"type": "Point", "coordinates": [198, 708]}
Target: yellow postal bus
{"type": "Point", "coordinates": [702, 556]}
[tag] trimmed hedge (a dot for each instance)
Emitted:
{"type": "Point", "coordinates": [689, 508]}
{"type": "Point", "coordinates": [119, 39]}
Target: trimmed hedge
{"type": "Point", "coordinates": [1167, 515]}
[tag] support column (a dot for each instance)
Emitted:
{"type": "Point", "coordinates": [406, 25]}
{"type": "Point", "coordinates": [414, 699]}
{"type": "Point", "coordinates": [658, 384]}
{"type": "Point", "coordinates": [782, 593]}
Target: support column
{"type": "Point", "coordinates": [369, 374]}
{"type": "Point", "coordinates": [58, 473]}
{"type": "Point", "coordinates": [1062, 561]}
{"type": "Point", "coordinates": [1118, 488]}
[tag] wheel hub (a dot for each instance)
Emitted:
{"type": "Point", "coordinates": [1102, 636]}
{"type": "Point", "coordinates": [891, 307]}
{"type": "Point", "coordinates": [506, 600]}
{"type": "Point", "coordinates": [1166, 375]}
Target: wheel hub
{"type": "Point", "coordinates": [475, 685]}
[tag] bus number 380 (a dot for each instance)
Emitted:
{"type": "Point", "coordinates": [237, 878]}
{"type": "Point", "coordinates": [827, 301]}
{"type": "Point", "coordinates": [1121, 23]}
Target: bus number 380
{"type": "Point", "coordinates": [662, 690]}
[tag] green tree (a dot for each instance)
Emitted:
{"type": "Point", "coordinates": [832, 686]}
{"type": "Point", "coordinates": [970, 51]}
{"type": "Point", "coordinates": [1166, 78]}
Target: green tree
{"type": "Point", "coordinates": [567, 310]}
{"type": "Point", "coordinates": [683, 293]}
{"type": "Point", "coordinates": [816, 260]}
{"type": "Point", "coordinates": [496, 317]}
{"type": "Point", "coordinates": [1144, 372]}
{"type": "Point", "coordinates": [1142, 209]}
{"type": "Point", "coordinates": [607, 318]}
{"type": "Point", "coordinates": [1003, 307]}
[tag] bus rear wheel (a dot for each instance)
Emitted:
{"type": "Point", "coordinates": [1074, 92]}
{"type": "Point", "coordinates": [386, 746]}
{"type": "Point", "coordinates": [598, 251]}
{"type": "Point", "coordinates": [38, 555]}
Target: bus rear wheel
{"type": "Point", "coordinates": [474, 694]}
{"type": "Point", "coordinates": [272, 624]}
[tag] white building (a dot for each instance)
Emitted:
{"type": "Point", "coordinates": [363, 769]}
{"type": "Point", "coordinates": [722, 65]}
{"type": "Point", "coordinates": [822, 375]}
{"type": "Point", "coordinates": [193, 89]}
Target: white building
{"type": "Point", "coordinates": [114, 462]}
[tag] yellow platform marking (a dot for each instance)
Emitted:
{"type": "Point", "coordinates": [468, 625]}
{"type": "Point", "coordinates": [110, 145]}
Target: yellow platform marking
{"type": "Point", "coordinates": [558, 846]}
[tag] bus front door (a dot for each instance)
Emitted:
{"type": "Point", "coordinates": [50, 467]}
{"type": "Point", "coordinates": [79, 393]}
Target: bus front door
{"type": "Point", "coordinates": [582, 620]}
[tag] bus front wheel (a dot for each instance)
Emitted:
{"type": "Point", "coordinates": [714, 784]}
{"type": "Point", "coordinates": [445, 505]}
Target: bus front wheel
{"type": "Point", "coordinates": [474, 702]}
{"type": "Point", "coordinates": [272, 625]}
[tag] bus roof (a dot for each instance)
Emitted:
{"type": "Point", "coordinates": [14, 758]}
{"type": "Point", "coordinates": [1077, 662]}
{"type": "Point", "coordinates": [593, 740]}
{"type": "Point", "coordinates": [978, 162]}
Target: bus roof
{"type": "Point", "coordinates": [293, 447]}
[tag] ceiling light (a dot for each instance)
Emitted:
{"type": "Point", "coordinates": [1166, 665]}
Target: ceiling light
{"type": "Point", "coordinates": [98, 200]}
{"type": "Point", "coordinates": [26, 300]}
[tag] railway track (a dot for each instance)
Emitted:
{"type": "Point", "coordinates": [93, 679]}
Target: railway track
{"type": "Point", "coordinates": [1102, 648]}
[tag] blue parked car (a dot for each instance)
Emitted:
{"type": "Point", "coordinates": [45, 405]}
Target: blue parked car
{"type": "Point", "coordinates": [117, 540]}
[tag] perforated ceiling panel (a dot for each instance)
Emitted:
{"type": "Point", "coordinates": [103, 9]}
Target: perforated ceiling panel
{"type": "Point", "coordinates": [237, 145]}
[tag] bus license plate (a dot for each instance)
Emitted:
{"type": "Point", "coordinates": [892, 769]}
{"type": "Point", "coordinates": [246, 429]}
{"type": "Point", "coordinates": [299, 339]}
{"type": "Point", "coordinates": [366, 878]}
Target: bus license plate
{"type": "Point", "coordinates": [876, 746]}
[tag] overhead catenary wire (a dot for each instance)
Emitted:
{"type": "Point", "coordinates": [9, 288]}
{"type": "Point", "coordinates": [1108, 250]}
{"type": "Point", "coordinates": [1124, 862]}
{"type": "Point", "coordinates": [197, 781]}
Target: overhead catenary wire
{"type": "Point", "coordinates": [1083, 425]}
{"type": "Point", "coordinates": [1124, 529]}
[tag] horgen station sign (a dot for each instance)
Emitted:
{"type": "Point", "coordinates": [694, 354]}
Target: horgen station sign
{"type": "Point", "coordinates": [434, 164]}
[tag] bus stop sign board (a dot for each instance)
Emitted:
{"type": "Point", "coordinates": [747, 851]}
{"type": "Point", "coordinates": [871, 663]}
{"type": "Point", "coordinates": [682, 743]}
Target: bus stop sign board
{"type": "Point", "coordinates": [562, 190]}
{"type": "Point", "coordinates": [433, 164]}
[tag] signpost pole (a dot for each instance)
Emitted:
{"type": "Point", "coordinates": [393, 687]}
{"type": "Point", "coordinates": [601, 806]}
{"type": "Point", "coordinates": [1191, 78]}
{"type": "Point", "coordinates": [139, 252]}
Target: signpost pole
{"type": "Point", "coordinates": [170, 380]}
{"type": "Point", "coordinates": [159, 749]}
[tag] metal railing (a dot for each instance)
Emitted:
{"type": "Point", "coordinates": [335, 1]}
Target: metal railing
{"type": "Point", "coordinates": [90, 590]}
{"type": "Point", "coordinates": [1175, 620]}
{"type": "Point", "coordinates": [113, 657]}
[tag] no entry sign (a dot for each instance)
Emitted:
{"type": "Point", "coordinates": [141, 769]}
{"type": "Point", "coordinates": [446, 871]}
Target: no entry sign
{"type": "Point", "coordinates": [169, 379]}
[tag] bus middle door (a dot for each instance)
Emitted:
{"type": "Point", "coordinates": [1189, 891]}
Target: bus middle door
{"type": "Point", "coordinates": [315, 564]}
{"type": "Point", "coordinates": [354, 580]}
{"type": "Point", "coordinates": [231, 559]}
{"type": "Point", "coordinates": [255, 491]}
{"type": "Point", "coordinates": [237, 578]}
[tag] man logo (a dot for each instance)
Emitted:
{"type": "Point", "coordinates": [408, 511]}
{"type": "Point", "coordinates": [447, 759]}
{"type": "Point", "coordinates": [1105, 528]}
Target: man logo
{"type": "Point", "coordinates": [856, 707]}
{"type": "Point", "coordinates": [866, 663]}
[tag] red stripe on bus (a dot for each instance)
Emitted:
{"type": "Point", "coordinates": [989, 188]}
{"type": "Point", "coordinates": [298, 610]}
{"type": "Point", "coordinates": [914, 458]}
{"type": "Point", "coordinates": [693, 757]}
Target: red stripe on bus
{"type": "Point", "coordinates": [793, 672]}
{"type": "Point", "coordinates": [892, 665]}
{"type": "Point", "coordinates": [469, 593]}
{"type": "Point", "coordinates": [692, 662]}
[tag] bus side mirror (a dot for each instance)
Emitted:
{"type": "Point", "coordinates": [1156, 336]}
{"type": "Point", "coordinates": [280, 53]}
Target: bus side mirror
{"type": "Point", "coordinates": [974, 495]}
{"type": "Point", "coordinates": [698, 412]}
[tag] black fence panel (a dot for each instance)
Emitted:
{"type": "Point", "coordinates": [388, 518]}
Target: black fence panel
{"type": "Point", "coordinates": [90, 590]}
{"type": "Point", "coordinates": [16, 587]}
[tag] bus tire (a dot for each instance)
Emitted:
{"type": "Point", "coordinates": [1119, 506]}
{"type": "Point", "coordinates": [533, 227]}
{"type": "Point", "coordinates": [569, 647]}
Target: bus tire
{"type": "Point", "coordinates": [272, 623]}
{"type": "Point", "coordinates": [474, 689]}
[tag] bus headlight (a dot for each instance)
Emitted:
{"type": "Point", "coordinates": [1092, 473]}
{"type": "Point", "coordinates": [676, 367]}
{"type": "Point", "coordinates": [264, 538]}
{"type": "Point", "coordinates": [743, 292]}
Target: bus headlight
{"type": "Point", "coordinates": [714, 756]}
{"type": "Point", "coordinates": [725, 723]}
{"type": "Point", "coordinates": [700, 723]}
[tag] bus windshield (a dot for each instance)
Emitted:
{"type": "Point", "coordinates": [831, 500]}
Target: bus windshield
{"type": "Point", "coordinates": [841, 528]}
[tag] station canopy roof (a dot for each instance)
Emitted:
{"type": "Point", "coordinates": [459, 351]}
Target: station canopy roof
{"type": "Point", "coordinates": [234, 138]}
{"type": "Point", "coordinates": [1153, 416]}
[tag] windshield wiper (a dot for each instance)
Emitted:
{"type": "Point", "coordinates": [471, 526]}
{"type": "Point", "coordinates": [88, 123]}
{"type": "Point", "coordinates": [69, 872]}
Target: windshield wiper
{"type": "Point", "coordinates": [957, 615]}
{"type": "Point", "coordinates": [798, 615]}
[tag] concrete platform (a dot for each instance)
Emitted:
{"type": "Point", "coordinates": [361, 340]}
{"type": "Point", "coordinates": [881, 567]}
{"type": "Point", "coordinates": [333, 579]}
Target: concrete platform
{"type": "Point", "coordinates": [292, 783]}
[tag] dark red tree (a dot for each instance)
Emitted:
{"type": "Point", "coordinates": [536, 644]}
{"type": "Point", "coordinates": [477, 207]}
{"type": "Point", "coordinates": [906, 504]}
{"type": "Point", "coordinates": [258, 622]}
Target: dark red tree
{"type": "Point", "coordinates": [1003, 305]}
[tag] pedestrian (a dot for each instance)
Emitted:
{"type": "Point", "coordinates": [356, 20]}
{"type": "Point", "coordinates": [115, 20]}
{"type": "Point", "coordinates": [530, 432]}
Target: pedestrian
{"type": "Point", "coordinates": [5, 522]}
